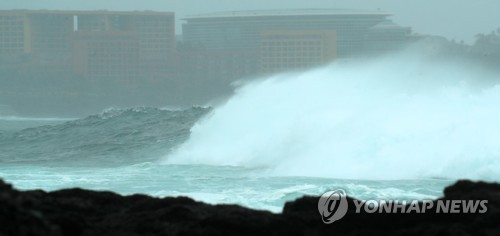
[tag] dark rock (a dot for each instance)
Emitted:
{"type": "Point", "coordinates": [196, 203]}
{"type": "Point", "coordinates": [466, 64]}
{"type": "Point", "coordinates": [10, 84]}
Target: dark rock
{"type": "Point", "coordinates": [81, 212]}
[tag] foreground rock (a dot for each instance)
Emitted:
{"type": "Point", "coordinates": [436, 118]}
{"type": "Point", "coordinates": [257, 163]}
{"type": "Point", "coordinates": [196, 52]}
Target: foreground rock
{"type": "Point", "coordinates": [81, 212]}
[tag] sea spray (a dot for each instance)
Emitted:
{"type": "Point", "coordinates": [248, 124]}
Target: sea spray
{"type": "Point", "coordinates": [398, 117]}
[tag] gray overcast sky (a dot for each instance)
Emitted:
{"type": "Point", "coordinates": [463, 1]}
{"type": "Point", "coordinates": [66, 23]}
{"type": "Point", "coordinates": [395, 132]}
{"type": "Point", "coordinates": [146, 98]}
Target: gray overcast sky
{"type": "Point", "coordinates": [455, 19]}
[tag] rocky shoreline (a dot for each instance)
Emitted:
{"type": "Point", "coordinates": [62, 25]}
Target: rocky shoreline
{"type": "Point", "coordinates": [82, 212]}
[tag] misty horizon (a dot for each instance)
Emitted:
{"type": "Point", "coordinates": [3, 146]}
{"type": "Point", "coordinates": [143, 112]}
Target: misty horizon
{"type": "Point", "coordinates": [168, 59]}
{"type": "Point", "coordinates": [455, 20]}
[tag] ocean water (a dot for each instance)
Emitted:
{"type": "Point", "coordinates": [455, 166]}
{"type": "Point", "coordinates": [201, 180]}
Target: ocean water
{"type": "Point", "coordinates": [379, 130]}
{"type": "Point", "coordinates": [122, 150]}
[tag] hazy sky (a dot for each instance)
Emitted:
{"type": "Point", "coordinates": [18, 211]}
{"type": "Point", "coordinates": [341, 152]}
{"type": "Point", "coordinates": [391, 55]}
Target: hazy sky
{"type": "Point", "coordinates": [455, 19]}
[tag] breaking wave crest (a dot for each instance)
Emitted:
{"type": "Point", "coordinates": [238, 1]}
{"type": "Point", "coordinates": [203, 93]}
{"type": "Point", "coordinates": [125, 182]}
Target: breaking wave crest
{"type": "Point", "coordinates": [395, 118]}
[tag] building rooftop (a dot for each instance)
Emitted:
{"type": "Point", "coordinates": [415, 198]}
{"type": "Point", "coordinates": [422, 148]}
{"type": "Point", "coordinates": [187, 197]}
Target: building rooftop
{"type": "Point", "coordinates": [388, 24]}
{"type": "Point", "coordinates": [83, 12]}
{"type": "Point", "coordinates": [286, 12]}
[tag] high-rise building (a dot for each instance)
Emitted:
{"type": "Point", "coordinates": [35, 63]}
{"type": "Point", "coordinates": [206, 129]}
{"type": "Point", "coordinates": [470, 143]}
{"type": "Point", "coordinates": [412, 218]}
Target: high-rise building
{"type": "Point", "coordinates": [142, 43]}
{"type": "Point", "coordinates": [242, 29]}
{"type": "Point", "coordinates": [109, 56]}
{"type": "Point", "coordinates": [296, 49]}
{"type": "Point", "coordinates": [13, 36]}
{"type": "Point", "coordinates": [386, 37]}
{"type": "Point", "coordinates": [285, 39]}
{"type": "Point", "coordinates": [62, 37]}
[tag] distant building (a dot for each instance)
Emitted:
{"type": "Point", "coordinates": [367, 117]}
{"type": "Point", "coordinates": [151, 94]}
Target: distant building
{"type": "Point", "coordinates": [106, 56]}
{"type": "Point", "coordinates": [242, 29]}
{"type": "Point", "coordinates": [217, 67]}
{"type": "Point", "coordinates": [36, 43]}
{"type": "Point", "coordinates": [282, 50]}
{"type": "Point", "coordinates": [288, 39]}
{"type": "Point", "coordinates": [89, 38]}
{"type": "Point", "coordinates": [138, 44]}
{"type": "Point", "coordinates": [386, 37]}
{"type": "Point", "coordinates": [48, 33]}
{"type": "Point", "coordinates": [86, 50]}
{"type": "Point", "coordinates": [155, 30]}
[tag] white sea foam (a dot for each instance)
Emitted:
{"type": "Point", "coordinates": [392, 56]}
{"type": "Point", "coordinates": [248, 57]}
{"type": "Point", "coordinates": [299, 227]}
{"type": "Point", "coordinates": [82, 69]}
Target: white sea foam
{"type": "Point", "coordinates": [400, 117]}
